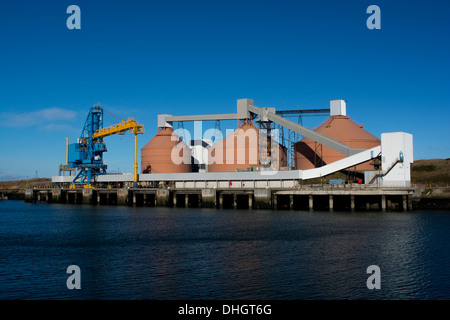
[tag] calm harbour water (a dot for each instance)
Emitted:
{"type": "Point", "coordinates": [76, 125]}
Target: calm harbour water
{"type": "Point", "coordinates": [164, 253]}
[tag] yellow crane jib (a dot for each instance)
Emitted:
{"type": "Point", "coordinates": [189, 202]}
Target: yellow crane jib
{"type": "Point", "coordinates": [130, 126]}
{"type": "Point", "coordinates": [121, 128]}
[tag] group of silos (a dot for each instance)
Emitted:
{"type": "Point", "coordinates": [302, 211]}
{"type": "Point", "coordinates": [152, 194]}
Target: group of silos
{"type": "Point", "coordinates": [243, 149]}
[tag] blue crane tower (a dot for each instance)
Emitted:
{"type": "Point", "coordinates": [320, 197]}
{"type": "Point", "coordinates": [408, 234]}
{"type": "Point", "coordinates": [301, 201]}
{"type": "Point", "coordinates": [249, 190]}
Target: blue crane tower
{"type": "Point", "coordinates": [87, 153]}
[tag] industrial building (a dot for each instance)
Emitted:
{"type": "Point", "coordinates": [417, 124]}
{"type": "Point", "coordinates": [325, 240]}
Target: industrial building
{"type": "Point", "coordinates": [339, 143]}
{"type": "Point", "coordinates": [340, 127]}
{"type": "Point", "coordinates": [258, 163]}
{"type": "Point", "coordinates": [157, 153]}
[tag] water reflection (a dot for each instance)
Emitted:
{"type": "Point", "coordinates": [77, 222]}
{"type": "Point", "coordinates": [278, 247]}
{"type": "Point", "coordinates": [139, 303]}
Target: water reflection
{"type": "Point", "coordinates": [160, 253]}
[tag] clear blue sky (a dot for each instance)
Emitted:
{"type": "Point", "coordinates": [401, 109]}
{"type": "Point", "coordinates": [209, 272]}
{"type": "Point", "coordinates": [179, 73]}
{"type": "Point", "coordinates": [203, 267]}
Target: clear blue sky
{"type": "Point", "coordinates": [141, 58]}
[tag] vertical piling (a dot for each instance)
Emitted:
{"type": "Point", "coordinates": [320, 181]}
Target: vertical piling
{"type": "Point", "coordinates": [29, 195]}
{"type": "Point", "coordinates": [383, 203]}
{"type": "Point", "coordinates": [262, 198]}
{"type": "Point", "coordinates": [56, 195]}
{"type": "Point", "coordinates": [410, 203]}
{"type": "Point", "coordinates": [122, 196]}
{"type": "Point", "coordinates": [86, 196]}
{"type": "Point", "coordinates": [162, 197]}
{"type": "Point", "coordinates": [220, 201]}
{"type": "Point", "coordinates": [175, 200]}
{"type": "Point", "coordinates": [208, 198]}
{"type": "Point", "coordinates": [311, 202]}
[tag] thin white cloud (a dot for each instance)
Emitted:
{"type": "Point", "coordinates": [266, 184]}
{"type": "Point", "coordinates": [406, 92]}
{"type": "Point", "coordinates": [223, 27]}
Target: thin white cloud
{"type": "Point", "coordinates": [58, 127]}
{"type": "Point", "coordinates": [45, 117]}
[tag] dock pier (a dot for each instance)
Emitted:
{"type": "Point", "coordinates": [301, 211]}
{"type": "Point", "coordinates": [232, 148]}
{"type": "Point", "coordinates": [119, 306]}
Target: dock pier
{"type": "Point", "coordinates": [312, 198]}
